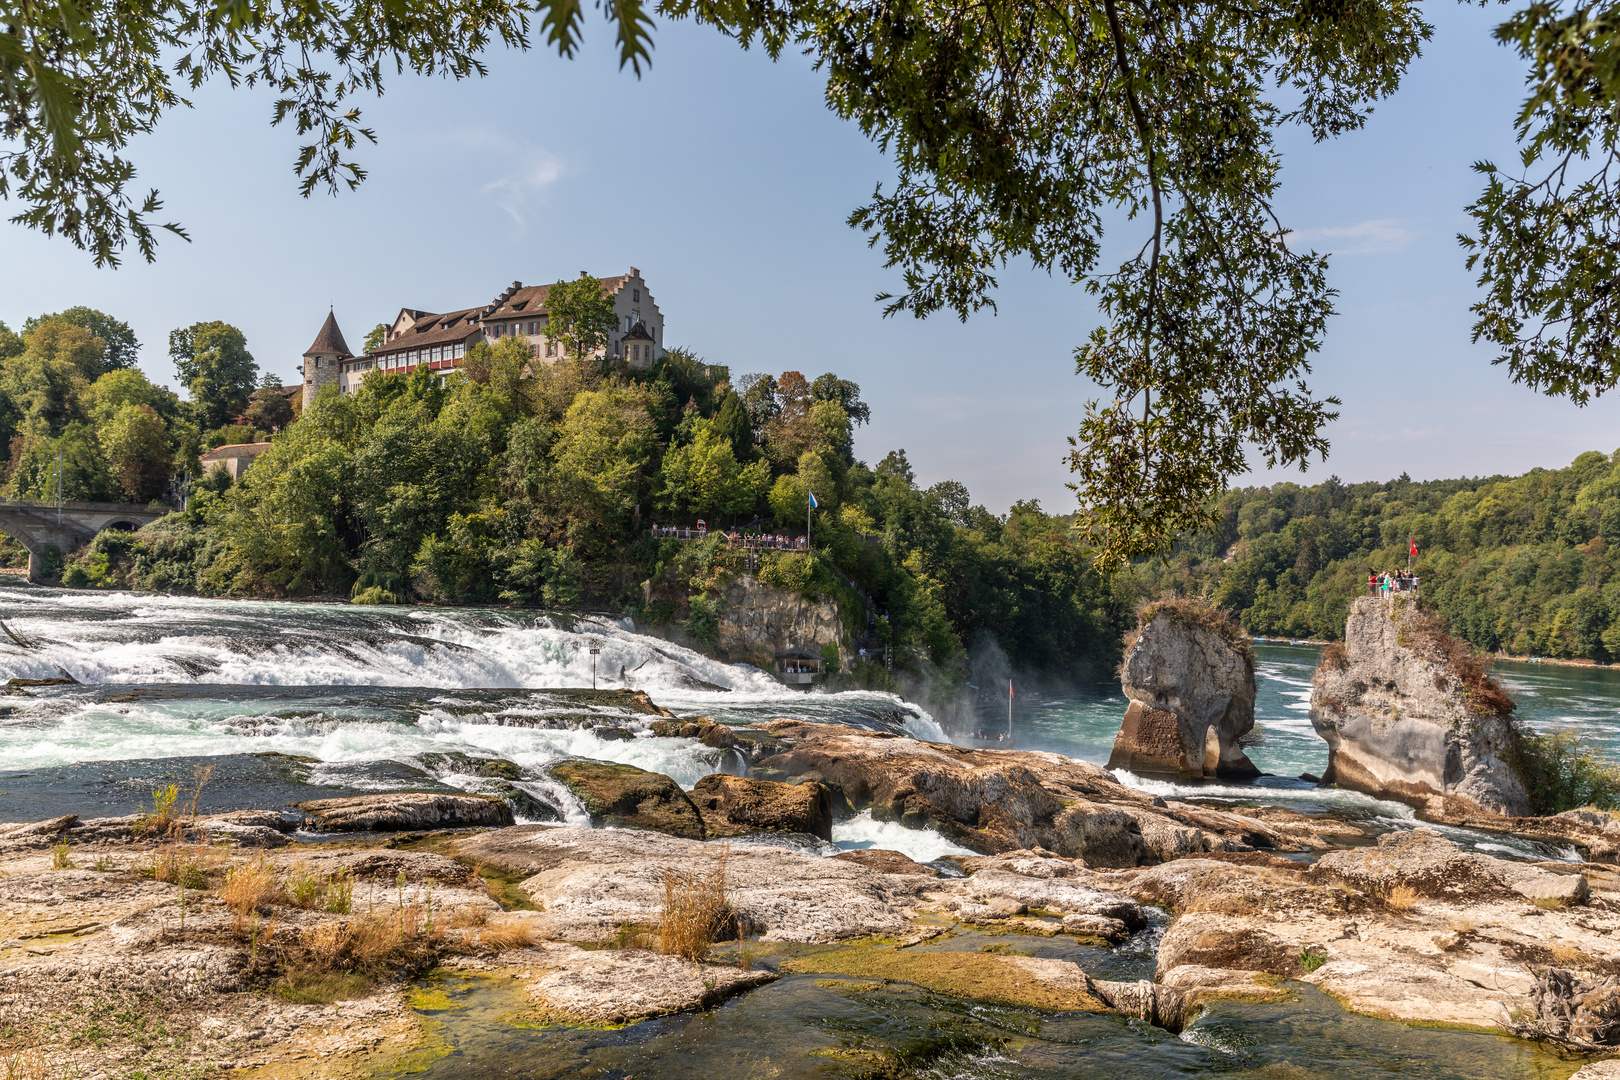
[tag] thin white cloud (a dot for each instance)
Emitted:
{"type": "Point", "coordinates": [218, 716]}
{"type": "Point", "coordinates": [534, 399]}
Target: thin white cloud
{"type": "Point", "coordinates": [1378, 236]}
{"type": "Point", "coordinates": [524, 170]}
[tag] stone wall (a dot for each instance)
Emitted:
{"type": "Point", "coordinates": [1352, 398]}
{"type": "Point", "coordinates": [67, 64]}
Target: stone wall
{"type": "Point", "coordinates": [760, 621]}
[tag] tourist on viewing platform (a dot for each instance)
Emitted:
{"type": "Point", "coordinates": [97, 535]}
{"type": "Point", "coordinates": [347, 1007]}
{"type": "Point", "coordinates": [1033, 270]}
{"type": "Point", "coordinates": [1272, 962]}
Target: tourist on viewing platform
{"type": "Point", "coordinates": [1372, 583]}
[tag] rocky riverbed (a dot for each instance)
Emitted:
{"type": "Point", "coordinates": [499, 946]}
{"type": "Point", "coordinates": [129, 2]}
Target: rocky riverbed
{"type": "Point", "coordinates": [288, 944]}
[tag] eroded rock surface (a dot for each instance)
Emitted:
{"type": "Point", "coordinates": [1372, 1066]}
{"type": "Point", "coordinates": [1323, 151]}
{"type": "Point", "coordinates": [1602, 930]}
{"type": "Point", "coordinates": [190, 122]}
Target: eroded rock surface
{"type": "Point", "coordinates": [630, 798]}
{"type": "Point", "coordinates": [568, 984]}
{"type": "Point", "coordinates": [735, 806]}
{"type": "Point", "coordinates": [1401, 722]}
{"type": "Point", "coordinates": [588, 883]}
{"type": "Point", "coordinates": [1190, 679]}
{"type": "Point", "coordinates": [405, 810]}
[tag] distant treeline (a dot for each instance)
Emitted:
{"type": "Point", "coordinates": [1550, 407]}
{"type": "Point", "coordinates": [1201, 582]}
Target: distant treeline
{"type": "Point", "coordinates": [1524, 564]}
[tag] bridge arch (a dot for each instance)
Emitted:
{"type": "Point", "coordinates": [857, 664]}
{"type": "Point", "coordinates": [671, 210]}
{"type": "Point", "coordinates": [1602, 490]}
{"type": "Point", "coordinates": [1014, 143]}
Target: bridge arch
{"type": "Point", "coordinates": [40, 527]}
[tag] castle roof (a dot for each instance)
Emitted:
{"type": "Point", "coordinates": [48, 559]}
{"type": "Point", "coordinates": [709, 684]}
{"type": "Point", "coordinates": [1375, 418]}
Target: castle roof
{"type": "Point", "coordinates": [531, 300]}
{"type": "Point", "coordinates": [638, 332]}
{"type": "Point", "coordinates": [329, 342]}
{"type": "Point", "coordinates": [431, 329]}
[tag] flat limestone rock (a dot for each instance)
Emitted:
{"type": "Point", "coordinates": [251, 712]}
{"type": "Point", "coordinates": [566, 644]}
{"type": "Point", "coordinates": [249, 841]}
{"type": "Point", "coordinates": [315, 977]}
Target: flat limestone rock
{"type": "Point", "coordinates": [1607, 1069]}
{"type": "Point", "coordinates": [619, 986]}
{"type": "Point", "coordinates": [406, 810]}
{"type": "Point", "coordinates": [1427, 863]}
{"type": "Point", "coordinates": [889, 862]}
{"type": "Point", "coordinates": [588, 883]}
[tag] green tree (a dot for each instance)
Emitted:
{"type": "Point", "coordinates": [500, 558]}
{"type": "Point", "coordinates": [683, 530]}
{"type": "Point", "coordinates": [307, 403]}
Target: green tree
{"type": "Point", "coordinates": [581, 315]}
{"type": "Point", "coordinates": [121, 350]}
{"type": "Point", "coordinates": [126, 386]}
{"type": "Point", "coordinates": [77, 85]}
{"type": "Point", "coordinates": [11, 343]}
{"type": "Point", "coordinates": [268, 409]}
{"type": "Point", "coordinates": [84, 470]}
{"type": "Point", "coordinates": [603, 447]}
{"type": "Point", "coordinates": [704, 477]}
{"type": "Point", "coordinates": [136, 444]}
{"type": "Point", "coordinates": [732, 422]}
{"type": "Point", "coordinates": [214, 364]}
{"type": "Point", "coordinates": [57, 339]}
{"type": "Point", "coordinates": [376, 337]}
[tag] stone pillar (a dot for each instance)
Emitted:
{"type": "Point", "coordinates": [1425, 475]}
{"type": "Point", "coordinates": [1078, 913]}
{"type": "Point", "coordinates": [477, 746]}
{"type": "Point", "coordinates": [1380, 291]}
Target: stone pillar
{"type": "Point", "coordinates": [35, 571]}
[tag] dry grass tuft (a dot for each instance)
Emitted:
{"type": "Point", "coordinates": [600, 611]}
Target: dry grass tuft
{"type": "Point", "coordinates": [186, 865]}
{"type": "Point", "coordinates": [249, 887]}
{"type": "Point", "coordinates": [1401, 898]}
{"type": "Point", "coordinates": [332, 893]}
{"type": "Point", "coordinates": [401, 939]}
{"type": "Point", "coordinates": [1334, 658]}
{"type": "Point", "coordinates": [696, 912]}
{"type": "Point", "coordinates": [32, 1064]}
{"type": "Point", "coordinates": [62, 857]}
{"type": "Point", "coordinates": [468, 917]}
{"type": "Point", "coordinates": [508, 934]}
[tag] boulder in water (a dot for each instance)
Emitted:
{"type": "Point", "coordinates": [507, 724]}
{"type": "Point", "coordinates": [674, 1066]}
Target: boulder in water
{"type": "Point", "coordinates": [735, 806]}
{"type": "Point", "coordinates": [1189, 676]}
{"type": "Point", "coordinates": [630, 798]}
{"type": "Point", "coordinates": [406, 810]}
{"type": "Point", "coordinates": [1407, 714]}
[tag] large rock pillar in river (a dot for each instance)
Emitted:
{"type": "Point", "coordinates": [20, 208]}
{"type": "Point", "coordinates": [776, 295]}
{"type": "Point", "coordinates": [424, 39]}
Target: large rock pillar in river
{"type": "Point", "coordinates": [1408, 714]}
{"type": "Point", "coordinates": [1189, 676]}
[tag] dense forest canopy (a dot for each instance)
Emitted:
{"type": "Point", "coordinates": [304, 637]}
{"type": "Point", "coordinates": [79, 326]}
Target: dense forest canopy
{"type": "Point", "coordinates": [1522, 564]}
{"type": "Point", "coordinates": [519, 482]}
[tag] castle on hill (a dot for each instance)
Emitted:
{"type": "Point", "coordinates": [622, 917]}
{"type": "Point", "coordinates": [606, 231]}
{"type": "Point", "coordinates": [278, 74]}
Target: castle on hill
{"type": "Point", "coordinates": [440, 341]}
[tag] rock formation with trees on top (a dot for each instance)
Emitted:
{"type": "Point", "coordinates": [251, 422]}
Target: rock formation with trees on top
{"type": "Point", "coordinates": [1189, 675]}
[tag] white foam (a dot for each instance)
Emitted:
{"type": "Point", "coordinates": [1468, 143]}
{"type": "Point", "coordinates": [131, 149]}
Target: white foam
{"type": "Point", "coordinates": [923, 845]}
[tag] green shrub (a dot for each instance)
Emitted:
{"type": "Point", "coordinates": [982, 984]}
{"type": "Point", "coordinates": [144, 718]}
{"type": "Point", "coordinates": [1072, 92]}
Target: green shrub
{"type": "Point", "coordinates": [1561, 772]}
{"type": "Point", "coordinates": [790, 571]}
{"type": "Point", "coordinates": [703, 619]}
{"type": "Point", "coordinates": [1311, 958]}
{"type": "Point", "coordinates": [76, 577]}
{"type": "Point", "coordinates": [374, 595]}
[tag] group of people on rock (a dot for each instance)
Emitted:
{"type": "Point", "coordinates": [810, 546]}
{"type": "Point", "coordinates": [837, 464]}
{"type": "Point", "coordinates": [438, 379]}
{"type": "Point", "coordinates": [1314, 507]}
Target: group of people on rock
{"type": "Point", "coordinates": [777, 541]}
{"type": "Point", "coordinates": [1392, 581]}
{"type": "Point", "coordinates": [768, 540]}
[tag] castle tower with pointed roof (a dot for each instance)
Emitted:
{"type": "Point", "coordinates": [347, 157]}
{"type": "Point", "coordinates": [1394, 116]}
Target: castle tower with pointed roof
{"type": "Point", "coordinates": [323, 360]}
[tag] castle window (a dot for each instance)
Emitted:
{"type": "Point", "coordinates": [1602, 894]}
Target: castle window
{"type": "Point", "coordinates": [635, 294]}
{"type": "Point", "coordinates": [551, 348]}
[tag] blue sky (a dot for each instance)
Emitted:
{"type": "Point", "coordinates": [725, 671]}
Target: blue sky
{"type": "Point", "coordinates": [725, 179]}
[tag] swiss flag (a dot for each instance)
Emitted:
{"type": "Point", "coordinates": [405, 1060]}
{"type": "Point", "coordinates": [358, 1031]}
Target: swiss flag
{"type": "Point", "coordinates": [1414, 546]}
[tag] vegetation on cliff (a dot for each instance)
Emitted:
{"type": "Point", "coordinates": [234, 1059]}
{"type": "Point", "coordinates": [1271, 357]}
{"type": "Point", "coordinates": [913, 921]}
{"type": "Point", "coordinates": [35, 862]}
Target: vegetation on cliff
{"type": "Point", "coordinates": [1524, 564]}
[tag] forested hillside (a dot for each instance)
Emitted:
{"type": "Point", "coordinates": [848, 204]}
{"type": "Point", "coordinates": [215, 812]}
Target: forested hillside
{"type": "Point", "coordinates": [1523, 564]}
{"type": "Point", "coordinates": [519, 482]}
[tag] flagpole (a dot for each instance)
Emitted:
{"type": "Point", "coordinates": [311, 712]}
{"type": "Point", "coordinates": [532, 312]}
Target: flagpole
{"type": "Point", "coordinates": [1009, 710]}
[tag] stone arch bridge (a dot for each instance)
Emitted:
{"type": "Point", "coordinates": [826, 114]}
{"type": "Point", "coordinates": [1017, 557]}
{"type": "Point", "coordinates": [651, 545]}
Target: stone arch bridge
{"type": "Point", "coordinates": [40, 526]}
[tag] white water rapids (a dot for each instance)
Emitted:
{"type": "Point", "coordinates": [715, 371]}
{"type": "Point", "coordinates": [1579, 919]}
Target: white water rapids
{"type": "Point", "coordinates": [359, 688]}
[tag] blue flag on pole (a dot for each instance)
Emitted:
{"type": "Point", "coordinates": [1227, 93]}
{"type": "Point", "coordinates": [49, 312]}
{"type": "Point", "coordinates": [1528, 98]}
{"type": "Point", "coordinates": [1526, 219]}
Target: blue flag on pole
{"type": "Point", "coordinates": [813, 503]}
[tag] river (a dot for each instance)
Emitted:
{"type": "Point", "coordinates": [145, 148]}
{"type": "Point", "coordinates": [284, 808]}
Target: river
{"type": "Point", "coordinates": [295, 700]}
